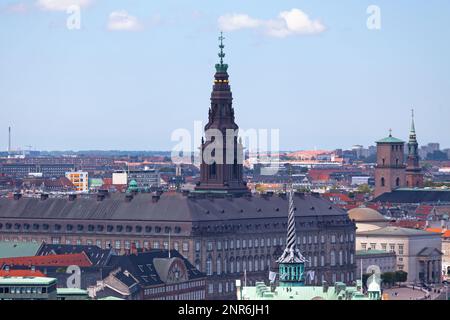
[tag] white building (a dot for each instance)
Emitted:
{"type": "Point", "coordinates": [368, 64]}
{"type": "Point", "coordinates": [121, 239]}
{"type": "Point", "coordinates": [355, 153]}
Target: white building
{"type": "Point", "coordinates": [418, 252]}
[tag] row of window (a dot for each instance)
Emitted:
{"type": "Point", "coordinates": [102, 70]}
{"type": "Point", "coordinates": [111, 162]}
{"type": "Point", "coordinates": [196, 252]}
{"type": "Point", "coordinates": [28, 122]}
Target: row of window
{"type": "Point", "coordinates": [90, 228]}
{"type": "Point", "coordinates": [177, 287]}
{"type": "Point", "coordinates": [268, 242]}
{"type": "Point", "coordinates": [221, 287]}
{"type": "Point", "coordinates": [195, 295]}
{"type": "Point", "coordinates": [23, 290]}
{"type": "Point", "coordinates": [384, 247]}
{"type": "Point", "coordinates": [255, 264]}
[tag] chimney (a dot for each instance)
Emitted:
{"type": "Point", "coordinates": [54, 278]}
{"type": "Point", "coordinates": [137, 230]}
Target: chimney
{"type": "Point", "coordinates": [134, 250]}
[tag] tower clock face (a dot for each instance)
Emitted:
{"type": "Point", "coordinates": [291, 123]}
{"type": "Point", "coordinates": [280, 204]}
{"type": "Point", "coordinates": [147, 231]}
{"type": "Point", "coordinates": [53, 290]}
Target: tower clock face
{"type": "Point", "coordinates": [177, 272]}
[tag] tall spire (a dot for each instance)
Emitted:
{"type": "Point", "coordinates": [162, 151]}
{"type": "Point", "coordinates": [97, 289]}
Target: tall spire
{"type": "Point", "coordinates": [412, 134]}
{"type": "Point", "coordinates": [221, 67]}
{"type": "Point", "coordinates": [413, 127]}
{"type": "Point", "coordinates": [291, 253]}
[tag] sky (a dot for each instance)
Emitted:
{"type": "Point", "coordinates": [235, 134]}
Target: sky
{"type": "Point", "coordinates": [137, 70]}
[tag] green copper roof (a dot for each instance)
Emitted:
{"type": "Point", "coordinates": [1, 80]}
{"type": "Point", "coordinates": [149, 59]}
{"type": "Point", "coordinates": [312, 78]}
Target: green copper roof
{"type": "Point", "coordinates": [26, 281]}
{"type": "Point", "coordinates": [221, 67]}
{"type": "Point", "coordinates": [390, 139]}
{"type": "Point", "coordinates": [71, 291]}
{"type": "Point", "coordinates": [371, 252]}
{"type": "Point", "coordinates": [18, 249]}
{"type": "Point", "coordinates": [338, 292]}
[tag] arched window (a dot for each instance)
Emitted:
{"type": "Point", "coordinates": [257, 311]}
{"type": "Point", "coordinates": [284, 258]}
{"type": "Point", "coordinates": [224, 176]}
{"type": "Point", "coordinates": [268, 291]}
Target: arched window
{"type": "Point", "coordinates": [322, 260]}
{"type": "Point", "coordinates": [261, 263]}
{"type": "Point", "coordinates": [256, 263]}
{"type": "Point", "coordinates": [384, 161]}
{"type": "Point", "coordinates": [332, 258]}
{"type": "Point", "coordinates": [232, 265]}
{"type": "Point", "coordinates": [209, 266]}
{"type": "Point", "coordinates": [238, 265]}
{"type": "Point", "coordinates": [197, 264]}
{"type": "Point", "coordinates": [250, 264]}
{"type": "Point", "coordinates": [341, 258]}
{"type": "Point", "coordinates": [383, 182]}
{"type": "Point", "coordinates": [219, 265]}
{"type": "Point", "coordinates": [397, 182]}
{"type": "Point", "coordinates": [396, 162]}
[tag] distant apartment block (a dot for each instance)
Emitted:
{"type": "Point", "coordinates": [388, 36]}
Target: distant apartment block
{"type": "Point", "coordinates": [145, 178]}
{"type": "Point", "coordinates": [19, 170]}
{"type": "Point", "coordinates": [79, 179]}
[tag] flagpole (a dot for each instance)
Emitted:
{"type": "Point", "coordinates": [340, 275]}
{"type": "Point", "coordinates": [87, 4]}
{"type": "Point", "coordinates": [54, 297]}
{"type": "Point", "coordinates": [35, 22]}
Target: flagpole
{"type": "Point", "coordinates": [362, 284]}
{"type": "Point", "coordinates": [169, 244]}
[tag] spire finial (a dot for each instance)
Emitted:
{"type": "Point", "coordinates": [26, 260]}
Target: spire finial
{"type": "Point", "coordinates": [221, 67]}
{"type": "Point", "coordinates": [413, 126]}
{"type": "Point", "coordinates": [390, 132]}
{"type": "Point", "coordinates": [221, 46]}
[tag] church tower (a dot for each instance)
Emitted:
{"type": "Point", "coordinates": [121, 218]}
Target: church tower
{"type": "Point", "coordinates": [414, 175]}
{"type": "Point", "coordinates": [221, 168]}
{"type": "Point", "coordinates": [390, 168]}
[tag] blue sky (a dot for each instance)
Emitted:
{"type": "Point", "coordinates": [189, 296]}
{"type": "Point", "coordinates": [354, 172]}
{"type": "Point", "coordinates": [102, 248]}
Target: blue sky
{"type": "Point", "coordinates": [127, 84]}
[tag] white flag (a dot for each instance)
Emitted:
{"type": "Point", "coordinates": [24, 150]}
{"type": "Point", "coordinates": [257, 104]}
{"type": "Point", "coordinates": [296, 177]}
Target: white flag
{"type": "Point", "coordinates": [272, 276]}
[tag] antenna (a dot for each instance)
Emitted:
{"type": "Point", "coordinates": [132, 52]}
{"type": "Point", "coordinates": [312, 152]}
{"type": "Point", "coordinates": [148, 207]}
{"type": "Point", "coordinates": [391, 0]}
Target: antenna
{"type": "Point", "coordinates": [9, 139]}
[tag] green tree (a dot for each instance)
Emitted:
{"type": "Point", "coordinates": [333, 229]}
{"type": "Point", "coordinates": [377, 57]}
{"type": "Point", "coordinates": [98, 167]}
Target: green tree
{"type": "Point", "coordinates": [388, 278]}
{"type": "Point", "coordinates": [364, 188]}
{"type": "Point", "coordinates": [400, 276]}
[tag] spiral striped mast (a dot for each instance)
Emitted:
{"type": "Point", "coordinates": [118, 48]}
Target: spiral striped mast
{"type": "Point", "coordinates": [291, 253]}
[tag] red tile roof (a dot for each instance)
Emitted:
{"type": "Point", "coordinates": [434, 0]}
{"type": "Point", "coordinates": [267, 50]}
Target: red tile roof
{"type": "Point", "coordinates": [445, 233]}
{"type": "Point", "coordinates": [21, 273]}
{"type": "Point", "coordinates": [62, 260]}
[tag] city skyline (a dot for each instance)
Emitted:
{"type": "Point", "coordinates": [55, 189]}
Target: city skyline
{"type": "Point", "coordinates": [120, 96]}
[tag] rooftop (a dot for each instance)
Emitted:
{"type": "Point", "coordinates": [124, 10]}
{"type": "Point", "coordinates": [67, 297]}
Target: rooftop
{"type": "Point", "coordinates": [169, 207]}
{"type": "Point", "coordinates": [390, 139]}
{"type": "Point", "coordinates": [419, 195]}
{"type": "Point", "coordinates": [373, 252]}
{"type": "Point", "coordinates": [27, 281]}
{"type": "Point", "coordinates": [18, 249]}
{"type": "Point", "coordinates": [337, 292]}
{"type": "Point", "coordinates": [396, 232]}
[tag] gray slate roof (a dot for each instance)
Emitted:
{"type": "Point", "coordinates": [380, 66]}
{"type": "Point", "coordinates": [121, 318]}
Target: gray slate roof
{"type": "Point", "coordinates": [170, 207]}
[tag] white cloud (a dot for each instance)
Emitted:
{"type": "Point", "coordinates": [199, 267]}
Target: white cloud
{"type": "Point", "coordinates": [236, 21]}
{"type": "Point", "coordinates": [285, 24]}
{"type": "Point", "coordinates": [122, 21]}
{"type": "Point", "coordinates": [61, 5]}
